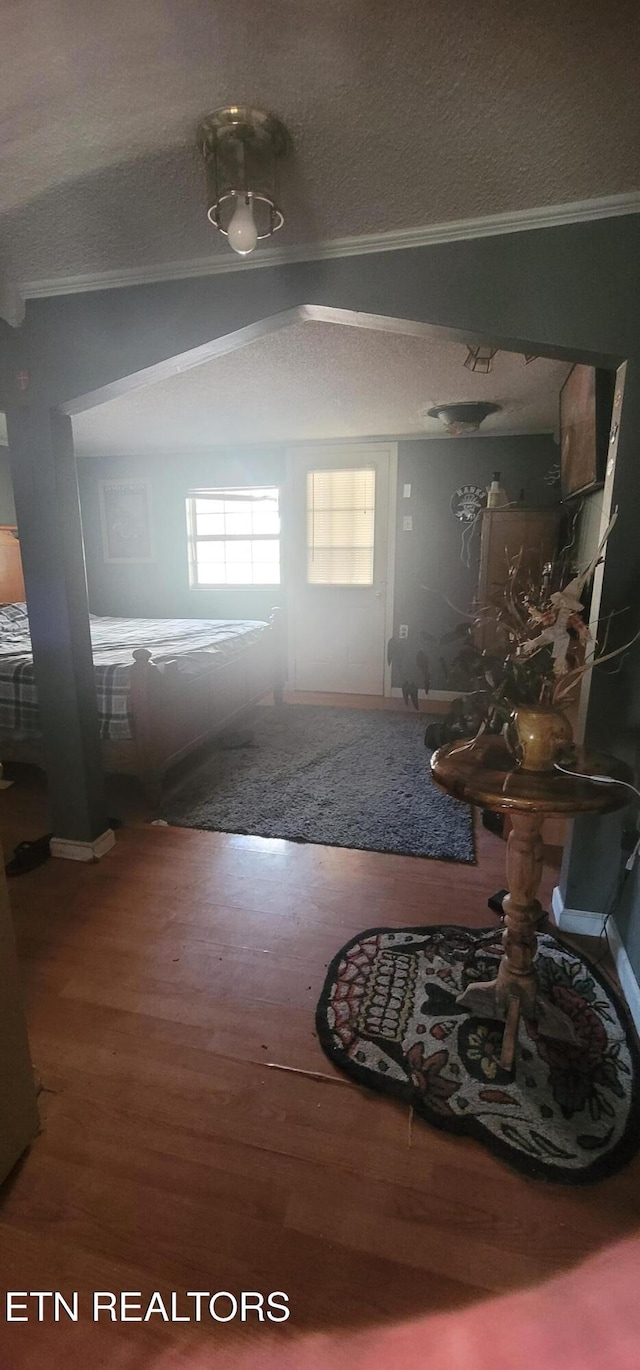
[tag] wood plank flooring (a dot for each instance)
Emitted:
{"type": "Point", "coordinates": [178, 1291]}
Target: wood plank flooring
{"type": "Point", "coordinates": [162, 985]}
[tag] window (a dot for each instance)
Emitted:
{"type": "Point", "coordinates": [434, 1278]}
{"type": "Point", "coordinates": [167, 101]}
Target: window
{"type": "Point", "coordinates": [340, 526]}
{"type": "Point", "coordinates": [234, 536]}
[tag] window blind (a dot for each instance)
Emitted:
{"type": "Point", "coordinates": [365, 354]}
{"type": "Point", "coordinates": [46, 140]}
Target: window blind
{"type": "Point", "coordinates": [340, 526]}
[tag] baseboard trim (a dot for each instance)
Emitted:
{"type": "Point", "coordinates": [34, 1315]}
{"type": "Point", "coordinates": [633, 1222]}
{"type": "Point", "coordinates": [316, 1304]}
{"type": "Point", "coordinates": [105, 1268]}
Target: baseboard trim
{"type": "Point", "coordinates": [583, 921]}
{"type": "Point", "coordinates": [69, 850]}
{"type": "Point", "coordinates": [626, 974]}
{"type": "Point", "coordinates": [438, 696]}
{"type": "Point", "coordinates": [593, 925]}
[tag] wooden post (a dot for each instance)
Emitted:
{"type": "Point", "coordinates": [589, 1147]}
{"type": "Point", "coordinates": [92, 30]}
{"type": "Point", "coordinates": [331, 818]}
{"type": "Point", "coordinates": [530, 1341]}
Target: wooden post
{"type": "Point", "coordinates": [278, 624]}
{"type": "Point", "coordinates": [48, 515]}
{"type": "Point", "coordinates": [145, 680]}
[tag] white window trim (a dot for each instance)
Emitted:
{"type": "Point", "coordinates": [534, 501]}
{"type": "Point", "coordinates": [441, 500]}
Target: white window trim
{"type": "Point", "coordinates": [194, 539]}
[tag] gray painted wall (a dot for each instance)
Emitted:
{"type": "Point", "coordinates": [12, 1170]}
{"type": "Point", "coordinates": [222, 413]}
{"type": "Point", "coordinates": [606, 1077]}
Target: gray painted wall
{"type": "Point", "coordinates": [161, 588]}
{"type": "Point", "coordinates": [432, 554]}
{"type": "Point", "coordinates": [593, 864]}
{"type": "Point", "coordinates": [572, 290]}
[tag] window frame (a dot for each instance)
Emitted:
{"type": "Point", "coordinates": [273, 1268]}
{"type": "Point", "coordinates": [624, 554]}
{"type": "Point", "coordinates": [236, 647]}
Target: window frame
{"type": "Point", "coordinates": [194, 539]}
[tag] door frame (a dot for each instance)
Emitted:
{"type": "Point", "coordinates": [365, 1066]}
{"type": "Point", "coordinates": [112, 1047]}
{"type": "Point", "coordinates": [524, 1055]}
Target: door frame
{"type": "Point", "coordinates": [349, 446]}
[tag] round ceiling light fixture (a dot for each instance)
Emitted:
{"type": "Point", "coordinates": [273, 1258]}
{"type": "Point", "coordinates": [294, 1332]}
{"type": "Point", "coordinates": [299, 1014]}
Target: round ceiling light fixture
{"type": "Point", "coordinates": [464, 417]}
{"type": "Point", "coordinates": [241, 147]}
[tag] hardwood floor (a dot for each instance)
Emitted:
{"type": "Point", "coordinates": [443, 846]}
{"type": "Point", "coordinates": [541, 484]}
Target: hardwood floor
{"type": "Point", "coordinates": [163, 984]}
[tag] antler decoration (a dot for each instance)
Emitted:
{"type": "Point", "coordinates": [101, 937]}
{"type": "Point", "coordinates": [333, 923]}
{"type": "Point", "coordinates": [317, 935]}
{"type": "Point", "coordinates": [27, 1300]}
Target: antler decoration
{"type": "Point", "coordinates": [559, 623]}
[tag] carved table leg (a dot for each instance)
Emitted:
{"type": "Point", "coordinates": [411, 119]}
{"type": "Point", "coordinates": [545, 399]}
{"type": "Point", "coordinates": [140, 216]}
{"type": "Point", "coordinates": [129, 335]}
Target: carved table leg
{"type": "Point", "coordinates": [514, 991]}
{"type": "Point", "coordinates": [522, 911]}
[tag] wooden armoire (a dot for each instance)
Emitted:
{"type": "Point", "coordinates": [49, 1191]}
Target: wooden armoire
{"type": "Point", "coordinates": [531, 534]}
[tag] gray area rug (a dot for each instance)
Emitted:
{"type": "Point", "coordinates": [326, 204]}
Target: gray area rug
{"type": "Point", "coordinates": [343, 777]}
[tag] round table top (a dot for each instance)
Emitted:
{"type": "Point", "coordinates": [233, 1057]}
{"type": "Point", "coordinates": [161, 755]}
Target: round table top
{"type": "Point", "coordinates": [484, 772]}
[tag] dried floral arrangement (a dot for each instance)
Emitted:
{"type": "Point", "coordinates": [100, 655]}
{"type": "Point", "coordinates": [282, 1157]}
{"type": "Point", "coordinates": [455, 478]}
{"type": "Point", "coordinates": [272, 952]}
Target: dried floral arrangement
{"type": "Point", "coordinates": [545, 648]}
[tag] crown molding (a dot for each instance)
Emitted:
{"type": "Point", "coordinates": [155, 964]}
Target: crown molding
{"type": "Point", "coordinates": [164, 453]}
{"type": "Point", "coordinates": [456, 230]}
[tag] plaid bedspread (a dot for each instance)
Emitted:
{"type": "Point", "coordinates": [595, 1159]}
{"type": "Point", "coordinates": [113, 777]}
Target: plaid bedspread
{"type": "Point", "coordinates": [114, 640]}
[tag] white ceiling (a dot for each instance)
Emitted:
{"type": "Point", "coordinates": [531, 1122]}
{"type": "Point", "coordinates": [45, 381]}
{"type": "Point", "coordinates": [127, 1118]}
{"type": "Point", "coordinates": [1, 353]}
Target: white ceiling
{"type": "Point", "coordinates": [320, 381]}
{"type": "Point", "coordinates": [403, 115]}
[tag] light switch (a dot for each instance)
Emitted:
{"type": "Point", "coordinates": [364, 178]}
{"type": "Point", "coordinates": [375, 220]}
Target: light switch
{"type": "Point", "coordinates": [406, 492]}
{"type": "Point", "coordinates": [407, 524]}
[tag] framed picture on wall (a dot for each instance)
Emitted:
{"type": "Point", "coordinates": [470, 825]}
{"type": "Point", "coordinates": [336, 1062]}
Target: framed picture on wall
{"type": "Point", "coordinates": [586, 401]}
{"type": "Point", "coordinates": [125, 513]}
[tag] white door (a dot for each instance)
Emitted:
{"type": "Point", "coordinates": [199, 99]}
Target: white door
{"type": "Point", "coordinates": [340, 516]}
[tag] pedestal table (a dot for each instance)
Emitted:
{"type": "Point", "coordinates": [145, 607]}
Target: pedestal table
{"type": "Point", "coordinates": [484, 772]}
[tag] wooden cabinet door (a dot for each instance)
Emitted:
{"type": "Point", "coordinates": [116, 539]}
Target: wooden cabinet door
{"type": "Point", "coordinates": [531, 535]}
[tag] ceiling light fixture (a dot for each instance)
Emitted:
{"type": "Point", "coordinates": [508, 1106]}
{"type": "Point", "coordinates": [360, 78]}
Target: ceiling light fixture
{"type": "Point", "coordinates": [465, 417]}
{"type": "Point", "coordinates": [480, 359]}
{"type": "Point", "coordinates": [241, 148]}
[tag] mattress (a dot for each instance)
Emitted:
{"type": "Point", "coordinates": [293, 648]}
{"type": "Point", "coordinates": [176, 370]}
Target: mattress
{"type": "Point", "coordinates": [113, 641]}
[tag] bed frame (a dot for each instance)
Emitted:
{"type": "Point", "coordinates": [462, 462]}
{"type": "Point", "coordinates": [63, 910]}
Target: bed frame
{"type": "Point", "coordinates": [11, 577]}
{"type": "Point", "coordinates": [175, 709]}
{"type": "Point", "coordinates": [180, 707]}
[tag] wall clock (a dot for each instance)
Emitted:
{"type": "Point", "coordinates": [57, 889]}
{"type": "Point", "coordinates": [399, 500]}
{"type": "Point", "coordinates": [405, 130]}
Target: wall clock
{"type": "Point", "coordinates": [467, 501]}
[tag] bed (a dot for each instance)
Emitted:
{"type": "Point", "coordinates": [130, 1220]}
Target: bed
{"type": "Point", "coordinates": [164, 687]}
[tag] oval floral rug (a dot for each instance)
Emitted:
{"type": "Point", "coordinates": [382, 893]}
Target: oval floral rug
{"type": "Point", "coordinates": [388, 1016]}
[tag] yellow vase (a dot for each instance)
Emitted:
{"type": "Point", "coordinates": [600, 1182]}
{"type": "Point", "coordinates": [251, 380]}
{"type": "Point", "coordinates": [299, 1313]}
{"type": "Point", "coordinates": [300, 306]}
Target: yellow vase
{"type": "Point", "coordinates": [538, 735]}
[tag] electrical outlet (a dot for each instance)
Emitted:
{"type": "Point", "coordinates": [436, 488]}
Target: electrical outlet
{"type": "Point", "coordinates": [406, 492]}
{"type": "Point", "coordinates": [407, 524]}
{"type": "Point", "coordinates": [403, 630]}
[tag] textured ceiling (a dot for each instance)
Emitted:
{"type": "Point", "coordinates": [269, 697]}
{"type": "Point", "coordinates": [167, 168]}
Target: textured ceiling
{"type": "Point", "coordinates": [402, 114]}
{"type": "Point", "coordinates": [320, 380]}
